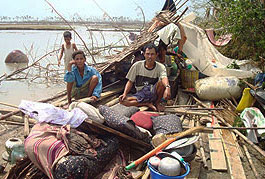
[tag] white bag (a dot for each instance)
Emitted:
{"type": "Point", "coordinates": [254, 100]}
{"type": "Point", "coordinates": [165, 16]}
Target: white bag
{"type": "Point", "coordinates": [216, 88]}
{"type": "Point", "coordinates": [88, 109]}
{"type": "Point", "coordinates": [251, 116]}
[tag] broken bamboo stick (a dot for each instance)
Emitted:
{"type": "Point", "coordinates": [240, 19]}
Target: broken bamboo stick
{"type": "Point", "coordinates": [180, 106]}
{"type": "Point", "coordinates": [146, 173]}
{"type": "Point", "coordinates": [10, 105]}
{"type": "Point", "coordinates": [181, 111]}
{"type": "Point", "coordinates": [19, 119]}
{"type": "Point", "coordinates": [202, 152]}
{"type": "Point", "coordinates": [26, 125]}
{"type": "Point", "coordinates": [201, 147]}
{"type": "Point", "coordinates": [238, 128]}
{"type": "Point", "coordinates": [237, 145]}
{"type": "Point", "coordinates": [250, 161]}
{"type": "Point", "coordinates": [13, 123]}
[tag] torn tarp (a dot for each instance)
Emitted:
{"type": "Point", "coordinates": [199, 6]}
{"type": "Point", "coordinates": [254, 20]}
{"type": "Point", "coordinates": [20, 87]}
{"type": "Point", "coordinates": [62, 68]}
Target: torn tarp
{"type": "Point", "coordinates": [201, 52]}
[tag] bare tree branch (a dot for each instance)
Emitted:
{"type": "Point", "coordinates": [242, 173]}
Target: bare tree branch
{"type": "Point", "coordinates": [72, 29]}
{"type": "Point", "coordinates": [112, 20]}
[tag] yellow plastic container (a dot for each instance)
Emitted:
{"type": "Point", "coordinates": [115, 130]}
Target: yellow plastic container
{"type": "Point", "coordinates": [246, 100]}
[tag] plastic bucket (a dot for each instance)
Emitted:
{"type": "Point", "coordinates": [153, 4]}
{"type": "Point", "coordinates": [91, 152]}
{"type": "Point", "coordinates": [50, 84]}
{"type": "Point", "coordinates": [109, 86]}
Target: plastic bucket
{"type": "Point", "coordinates": [156, 175]}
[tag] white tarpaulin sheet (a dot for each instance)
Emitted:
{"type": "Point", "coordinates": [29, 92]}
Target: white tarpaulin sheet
{"type": "Point", "coordinates": [203, 54]}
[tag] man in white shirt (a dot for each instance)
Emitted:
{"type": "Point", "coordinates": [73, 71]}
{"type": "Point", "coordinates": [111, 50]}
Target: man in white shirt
{"type": "Point", "coordinates": [150, 80]}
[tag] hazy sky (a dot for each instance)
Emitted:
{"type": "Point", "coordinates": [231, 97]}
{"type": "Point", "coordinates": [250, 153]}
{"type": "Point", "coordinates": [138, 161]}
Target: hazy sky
{"type": "Point", "coordinates": [85, 8]}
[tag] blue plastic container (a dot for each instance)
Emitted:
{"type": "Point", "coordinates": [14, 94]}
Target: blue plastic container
{"type": "Point", "coordinates": [156, 175]}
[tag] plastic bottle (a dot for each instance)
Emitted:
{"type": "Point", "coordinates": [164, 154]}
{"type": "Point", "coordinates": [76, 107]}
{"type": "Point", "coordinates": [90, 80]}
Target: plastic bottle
{"type": "Point", "coordinates": [188, 64]}
{"type": "Point", "coordinates": [18, 153]}
{"type": "Point", "coordinates": [174, 67]}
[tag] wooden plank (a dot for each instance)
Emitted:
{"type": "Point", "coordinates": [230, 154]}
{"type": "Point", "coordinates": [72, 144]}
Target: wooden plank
{"type": "Point", "coordinates": [217, 155]}
{"type": "Point", "coordinates": [236, 169]}
{"type": "Point", "coordinates": [57, 102]}
{"type": "Point", "coordinates": [88, 99]}
{"type": "Point", "coordinates": [143, 108]}
{"type": "Point", "coordinates": [218, 161]}
{"type": "Point", "coordinates": [112, 102]}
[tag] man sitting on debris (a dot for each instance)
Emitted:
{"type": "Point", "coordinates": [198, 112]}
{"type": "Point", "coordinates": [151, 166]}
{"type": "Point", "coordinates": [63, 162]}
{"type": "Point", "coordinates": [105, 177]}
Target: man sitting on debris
{"type": "Point", "coordinates": [82, 80]}
{"type": "Point", "coordinates": [150, 79]}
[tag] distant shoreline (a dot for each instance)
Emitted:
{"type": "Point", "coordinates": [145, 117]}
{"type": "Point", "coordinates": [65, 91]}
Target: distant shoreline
{"type": "Point", "coordinates": [61, 26]}
{"type": "Point", "coordinates": [32, 27]}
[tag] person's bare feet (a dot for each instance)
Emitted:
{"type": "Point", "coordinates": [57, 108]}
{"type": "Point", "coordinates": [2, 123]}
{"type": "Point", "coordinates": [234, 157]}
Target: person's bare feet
{"type": "Point", "coordinates": [160, 107]}
{"type": "Point", "coordinates": [150, 105]}
{"type": "Point", "coordinates": [65, 107]}
{"type": "Point", "coordinates": [94, 98]}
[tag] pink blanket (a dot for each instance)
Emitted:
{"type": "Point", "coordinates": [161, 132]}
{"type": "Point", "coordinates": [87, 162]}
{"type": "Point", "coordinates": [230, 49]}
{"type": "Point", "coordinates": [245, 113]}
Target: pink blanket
{"type": "Point", "coordinates": [46, 144]}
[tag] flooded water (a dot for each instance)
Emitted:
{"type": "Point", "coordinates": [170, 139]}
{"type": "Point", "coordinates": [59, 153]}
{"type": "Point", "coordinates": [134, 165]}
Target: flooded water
{"type": "Point", "coordinates": [36, 44]}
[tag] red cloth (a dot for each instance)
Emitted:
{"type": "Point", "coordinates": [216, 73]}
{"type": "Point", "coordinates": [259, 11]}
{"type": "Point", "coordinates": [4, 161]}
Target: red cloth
{"type": "Point", "coordinates": [222, 41]}
{"type": "Point", "coordinates": [143, 119]}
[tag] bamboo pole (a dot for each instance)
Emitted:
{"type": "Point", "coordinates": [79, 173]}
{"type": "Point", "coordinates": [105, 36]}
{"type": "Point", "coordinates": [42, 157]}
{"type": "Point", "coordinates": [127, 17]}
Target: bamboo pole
{"type": "Point", "coordinates": [237, 145]}
{"type": "Point", "coordinates": [10, 105]}
{"type": "Point", "coordinates": [13, 123]}
{"type": "Point", "coordinates": [202, 152]}
{"type": "Point", "coordinates": [250, 161]}
{"type": "Point", "coordinates": [180, 106]}
{"type": "Point", "coordinates": [146, 173]}
{"type": "Point", "coordinates": [43, 101]}
{"type": "Point", "coordinates": [186, 112]}
{"type": "Point", "coordinates": [19, 119]}
{"type": "Point", "coordinates": [26, 125]}
{"type": "Point", "coordinates": [238, 128]}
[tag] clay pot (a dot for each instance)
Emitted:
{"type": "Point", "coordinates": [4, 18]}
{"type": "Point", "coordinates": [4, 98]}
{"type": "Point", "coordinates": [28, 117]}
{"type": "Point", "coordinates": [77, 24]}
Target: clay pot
{"type": "Point", "coordinates": [10, 143]}
{"type": "Point", "coordinates": [16, 56]}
